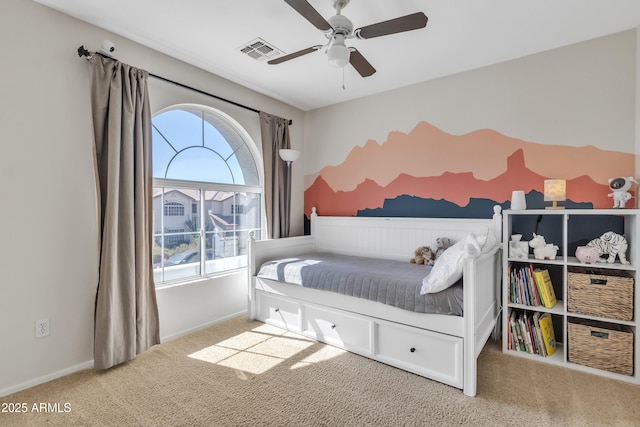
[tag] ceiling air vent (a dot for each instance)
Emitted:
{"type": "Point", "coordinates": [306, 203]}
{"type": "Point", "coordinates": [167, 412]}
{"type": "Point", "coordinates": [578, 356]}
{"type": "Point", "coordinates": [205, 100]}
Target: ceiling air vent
{"type": "Point", "coordinates": [259, 49]}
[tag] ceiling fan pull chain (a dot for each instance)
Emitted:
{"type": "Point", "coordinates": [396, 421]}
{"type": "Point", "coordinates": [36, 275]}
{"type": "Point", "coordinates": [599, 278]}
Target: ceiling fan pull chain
{"type": "Point", "coordinates": [343, 88]}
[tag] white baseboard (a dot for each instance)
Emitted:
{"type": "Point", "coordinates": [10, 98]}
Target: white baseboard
{"type": "Point", "coordinates": [202, 326]}
{"type": "Point", "coordinates": [46, 378]}
{"type": "Point", "coordinates": [89, 364]}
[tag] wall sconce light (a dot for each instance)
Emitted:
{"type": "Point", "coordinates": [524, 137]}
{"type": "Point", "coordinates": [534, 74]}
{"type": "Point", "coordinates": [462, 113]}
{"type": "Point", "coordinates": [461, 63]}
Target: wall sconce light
{"type": "Point", "coordinates": [289, 155]}
{"type": "Point", "coordinates": [555, 190]}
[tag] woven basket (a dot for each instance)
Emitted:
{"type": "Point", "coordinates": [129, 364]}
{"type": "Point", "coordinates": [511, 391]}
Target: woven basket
{"type": "Point", "coordinates": [601, 345]}
{"type": "Point", "coordinates": [602, 293]}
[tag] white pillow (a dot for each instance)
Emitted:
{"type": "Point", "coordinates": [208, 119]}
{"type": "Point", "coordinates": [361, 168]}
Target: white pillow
{"type": "Point", "coordinates": [448, 268]}
{"type": "Point", "coordinates": [487, 241]}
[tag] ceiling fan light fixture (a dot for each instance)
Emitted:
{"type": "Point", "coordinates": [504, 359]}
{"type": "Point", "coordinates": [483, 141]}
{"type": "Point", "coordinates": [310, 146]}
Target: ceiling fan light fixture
{"type": "Point", "coordinates": [339, 28]}
{"type": "Point", "coordinates": [339, 56]}
{"type": "Point", "coordinates": [338, 53]}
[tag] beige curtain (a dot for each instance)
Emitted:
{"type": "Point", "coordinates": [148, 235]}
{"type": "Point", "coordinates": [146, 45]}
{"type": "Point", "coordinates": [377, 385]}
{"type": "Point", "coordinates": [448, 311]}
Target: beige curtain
{"type": "Point", "coordinates": [277, 188]}
{"type": "Point", "coordinates": [126, 312]}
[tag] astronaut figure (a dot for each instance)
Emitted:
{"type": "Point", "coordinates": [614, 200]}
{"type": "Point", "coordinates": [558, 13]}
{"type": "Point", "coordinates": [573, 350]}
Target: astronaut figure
{"type": "Point", "coordinates": [620, 187]}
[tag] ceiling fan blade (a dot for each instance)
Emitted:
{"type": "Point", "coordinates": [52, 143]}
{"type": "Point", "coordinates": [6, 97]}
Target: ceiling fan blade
{"type": "Point", "coordinates": [398, 25]}
{"type": "Point", "coordinates": [309, 13]}
{"type": "Point", "coordinates": [294, 55]}
{"type": "Point", "coordinates": [362, 66]}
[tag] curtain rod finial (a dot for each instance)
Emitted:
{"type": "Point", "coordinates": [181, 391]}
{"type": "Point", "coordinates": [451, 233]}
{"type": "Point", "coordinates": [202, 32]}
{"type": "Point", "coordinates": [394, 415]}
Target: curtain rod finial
{"type": "Point", "coordinates": [83, 52]}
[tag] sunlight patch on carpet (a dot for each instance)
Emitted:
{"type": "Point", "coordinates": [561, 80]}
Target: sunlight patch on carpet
{"type": "Point", "coordinates": [283, 348]}
{"type": "Point", "coordinates": [251, 362]}
{"type": "Point", "coordinates": [255, 351]}
{"type": "Point", "coordinates": [244, 340]}
{"type": "Point", "coordinates": [324, 354]}
{"type": "Point", "coordinates": [213, 354]}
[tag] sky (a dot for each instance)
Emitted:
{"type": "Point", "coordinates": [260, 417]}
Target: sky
{"type": "Point", "coordinates": [189, 148]}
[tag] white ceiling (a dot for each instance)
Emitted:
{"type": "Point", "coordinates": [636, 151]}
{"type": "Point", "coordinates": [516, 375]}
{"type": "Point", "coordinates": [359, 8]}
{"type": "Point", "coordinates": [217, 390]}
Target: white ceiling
{"type": "Point", "coordinates": [461, 35]}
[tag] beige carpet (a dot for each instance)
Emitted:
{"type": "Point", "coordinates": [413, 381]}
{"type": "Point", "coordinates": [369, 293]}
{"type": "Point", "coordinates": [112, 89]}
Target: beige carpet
{"type": "Point", "coordinates": [241, 373]}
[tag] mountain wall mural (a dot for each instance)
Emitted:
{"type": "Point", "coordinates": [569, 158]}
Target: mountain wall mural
{"type": "Point", "coordinates": [429, 172]}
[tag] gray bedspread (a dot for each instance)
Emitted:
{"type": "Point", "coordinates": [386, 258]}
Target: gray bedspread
{"type": "Point", "coordinates": [386, 281]}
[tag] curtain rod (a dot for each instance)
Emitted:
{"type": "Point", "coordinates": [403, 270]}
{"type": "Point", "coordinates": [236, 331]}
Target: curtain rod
{"type": "Point", "coordinates": [82, 52]}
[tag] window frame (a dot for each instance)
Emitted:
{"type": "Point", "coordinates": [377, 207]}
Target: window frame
{"type": "Point", "coordinates": [202, 187]}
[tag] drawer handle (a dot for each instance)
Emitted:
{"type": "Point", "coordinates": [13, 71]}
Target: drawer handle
{"type": "Point", "coordinates": [333, 326]}
{"type": "Point", "coordinates": [412, 349]}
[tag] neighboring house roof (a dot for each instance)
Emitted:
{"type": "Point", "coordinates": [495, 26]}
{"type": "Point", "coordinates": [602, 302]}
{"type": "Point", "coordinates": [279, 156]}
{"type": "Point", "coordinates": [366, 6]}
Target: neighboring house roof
{"type": "Point", "coordinates": [192, 194]}
{"type": "Point", "coordinates": [221, 196]}
{"type": "Point", "coordinates": [222, 222]}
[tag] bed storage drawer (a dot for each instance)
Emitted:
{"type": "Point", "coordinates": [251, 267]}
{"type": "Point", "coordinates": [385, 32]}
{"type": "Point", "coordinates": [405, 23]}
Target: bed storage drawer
{"type": "Point", "coordinates": [431, 354]}
{"type": "Point", "coordinates": [278, 311]}
{"type": "Point", "coordinates": [338, 328]}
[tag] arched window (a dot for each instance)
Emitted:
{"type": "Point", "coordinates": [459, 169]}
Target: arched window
{"type": "Point", "coordinates": [204, 160]}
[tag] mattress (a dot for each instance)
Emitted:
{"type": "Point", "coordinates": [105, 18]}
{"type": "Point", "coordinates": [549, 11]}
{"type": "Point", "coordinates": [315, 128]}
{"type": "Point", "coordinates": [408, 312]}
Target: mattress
{"type": "Point", "coordinates": [385, 281]}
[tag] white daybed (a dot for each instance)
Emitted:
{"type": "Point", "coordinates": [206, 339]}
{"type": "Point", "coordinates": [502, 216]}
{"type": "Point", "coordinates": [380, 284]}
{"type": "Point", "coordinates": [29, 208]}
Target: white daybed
{"type": "Point", "coordinates": [440, 347]}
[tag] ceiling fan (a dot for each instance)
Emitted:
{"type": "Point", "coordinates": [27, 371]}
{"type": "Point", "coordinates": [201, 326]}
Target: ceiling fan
{"type": "Point", "coordinates": [339, 28]}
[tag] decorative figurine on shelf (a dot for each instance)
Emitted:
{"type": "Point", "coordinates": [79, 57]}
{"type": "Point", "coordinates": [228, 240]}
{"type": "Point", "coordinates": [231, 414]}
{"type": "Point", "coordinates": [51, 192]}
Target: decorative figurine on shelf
{"type": "Point", "coordinates": [620, 187]}
{"type": "Point", "coordinates": [587, 254]}
{"type": "Point", "coordinates": [518, 249]}
{"type": "Point", "coordinates": [611, 244]}
{"type": "Point", "coordinates": [542, 249]}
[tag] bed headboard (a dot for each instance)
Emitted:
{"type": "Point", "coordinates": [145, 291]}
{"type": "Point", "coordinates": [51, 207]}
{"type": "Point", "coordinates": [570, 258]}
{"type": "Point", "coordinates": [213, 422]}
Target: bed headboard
{"type": "Point", "coordinates": [393, 238]}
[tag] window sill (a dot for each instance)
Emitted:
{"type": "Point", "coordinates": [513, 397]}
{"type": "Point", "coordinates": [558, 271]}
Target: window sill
{"type": "Point", "coordinates": [197, 280]}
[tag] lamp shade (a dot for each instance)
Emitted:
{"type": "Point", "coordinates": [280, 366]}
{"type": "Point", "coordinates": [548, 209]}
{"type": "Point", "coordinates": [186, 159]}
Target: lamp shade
{"type": "Point", "coordinates": [555, 190]}
{"type": "Point", "coordinates": [289, 155]}
{"type": "Point", "coordinates": [518, 200]}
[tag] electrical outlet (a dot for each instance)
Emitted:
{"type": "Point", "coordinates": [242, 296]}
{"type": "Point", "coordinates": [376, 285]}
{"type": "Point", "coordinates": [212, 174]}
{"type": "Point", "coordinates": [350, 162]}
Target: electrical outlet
{"type": "Point", "coordinates": [42, 328]}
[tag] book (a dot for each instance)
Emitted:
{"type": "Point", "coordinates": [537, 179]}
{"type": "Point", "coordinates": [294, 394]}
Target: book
{"type": "Point", "coordinates": [512, 286]}
{"type": "Point", "coordinates": [545, 287]}
{"type": "Point", "coordinates": [548, 335]}
{"type": "Point", "coordinates": [522, 286]}
{"type": "Point", "coordinates": [530, 338]}
{"type": "Point", "coordinates": [525, 334]}
{"type": "Point", "coordinates": [542, 351]}
{"type": "Point", "coordinates": [539, 288]}
{"type": "Point", "coordinates": [534, 287]}
{"type": "Point", "coordinates": [515, 331]}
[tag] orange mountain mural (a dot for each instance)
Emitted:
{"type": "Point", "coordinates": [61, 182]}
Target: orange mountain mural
{"type": "Point", "coordinates": [430, 164]}
{"type": "Point", "coordinates": [429, 151]}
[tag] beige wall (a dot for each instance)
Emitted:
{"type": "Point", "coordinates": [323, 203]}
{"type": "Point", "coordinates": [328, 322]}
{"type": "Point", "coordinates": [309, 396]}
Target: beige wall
{"type": "Point", "coordinates": [578, 95]}
{"type": "Point", "coordinates": [49, 250]}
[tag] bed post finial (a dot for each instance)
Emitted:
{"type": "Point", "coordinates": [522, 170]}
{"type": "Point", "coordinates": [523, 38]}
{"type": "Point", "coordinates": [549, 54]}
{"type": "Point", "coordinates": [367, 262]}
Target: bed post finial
{"type": "Point", "coordinates": [497, 222]}
{"type": "Point", "coordinates": [312, 220]}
